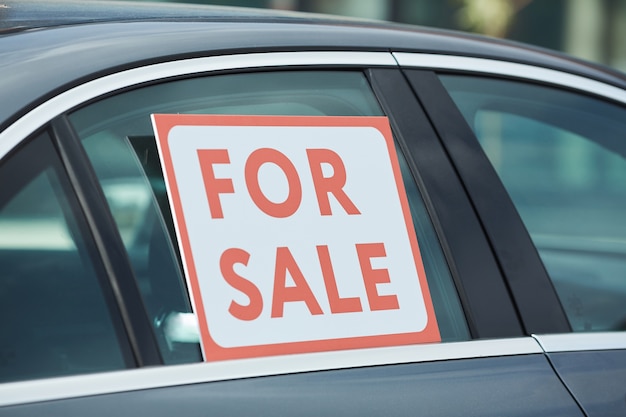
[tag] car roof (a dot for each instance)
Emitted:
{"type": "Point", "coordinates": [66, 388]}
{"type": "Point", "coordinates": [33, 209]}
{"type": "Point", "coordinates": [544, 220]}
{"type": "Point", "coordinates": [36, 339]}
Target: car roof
{"type": "Point", "coordinates": [48, 46]}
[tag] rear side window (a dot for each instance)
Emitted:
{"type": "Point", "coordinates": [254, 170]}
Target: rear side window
{"type": "Point", "coordinates": [560, 156]}
{"type": "Point", "coordinates": [119, 138]}
{"type": "Point", "coordinates": [57, 321]}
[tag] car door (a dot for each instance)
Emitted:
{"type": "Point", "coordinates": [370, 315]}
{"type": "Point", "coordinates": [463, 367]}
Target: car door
{"type": "Point", "coordinates": [483, 365]}
{"type": "Point", "coordinates": [554, 143]}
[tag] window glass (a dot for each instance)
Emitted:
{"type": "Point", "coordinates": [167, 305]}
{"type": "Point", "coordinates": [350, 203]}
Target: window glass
{"type": "Point", "coordinates": [561, 157]}
{"type": "Point", "coordinates": [56, 319]}
{"type": "Point", "coordinates": [117, 134]}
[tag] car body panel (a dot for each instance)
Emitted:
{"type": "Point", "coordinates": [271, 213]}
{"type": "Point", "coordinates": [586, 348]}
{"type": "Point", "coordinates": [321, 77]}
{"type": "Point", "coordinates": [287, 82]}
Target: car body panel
{"type": "Point", "coordinates": [496, 385]}
{"type": "Point", "coordinates": [52, 389]}
{"type": "Point", "coordinates": [592, 367]}
{"type": "Point", "coordinates": [597, 379]}
{"type": "Point", "coordinates": [511, 386]}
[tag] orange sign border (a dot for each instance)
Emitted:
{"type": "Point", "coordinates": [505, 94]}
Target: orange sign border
{"type": "Point", "coordinates": [163, 123]}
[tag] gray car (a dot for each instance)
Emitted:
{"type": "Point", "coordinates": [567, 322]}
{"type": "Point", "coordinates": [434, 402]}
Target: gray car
{"type": "Point", "coordinates": [221, 211]}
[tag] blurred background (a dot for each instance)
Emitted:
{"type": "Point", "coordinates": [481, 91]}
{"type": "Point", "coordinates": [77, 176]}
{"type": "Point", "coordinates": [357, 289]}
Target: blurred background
{"type": "Point", "coordinates": [591, 29]}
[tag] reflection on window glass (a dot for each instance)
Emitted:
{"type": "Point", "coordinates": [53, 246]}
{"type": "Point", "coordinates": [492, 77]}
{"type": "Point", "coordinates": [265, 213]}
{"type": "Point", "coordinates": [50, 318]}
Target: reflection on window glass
{"type": "Point", "coordinates": [58, 322]}
{"type": "Point", "coordinates": [561, 158]}
{"type": "Point", "coordinates": [117, 134]}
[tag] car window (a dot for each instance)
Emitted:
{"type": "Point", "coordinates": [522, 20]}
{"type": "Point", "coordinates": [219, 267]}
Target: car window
{"type": "Point", "coordinates": [560, 155]}
{"type": "Point", "coordinates": [57, 321]}
{"type": "Point", "coordinates": [118, 136]}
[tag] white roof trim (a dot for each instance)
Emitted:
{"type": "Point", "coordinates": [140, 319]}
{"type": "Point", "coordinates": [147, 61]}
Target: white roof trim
{"type": "Point", "coordinates": [67, 100]}
{"type": "Point", "coordinates": [510, 69]}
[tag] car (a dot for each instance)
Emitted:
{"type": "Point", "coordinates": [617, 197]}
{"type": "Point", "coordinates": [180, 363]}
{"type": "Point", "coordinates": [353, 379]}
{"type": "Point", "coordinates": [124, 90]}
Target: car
{"type": "Point", "coordinates": [209, 210]}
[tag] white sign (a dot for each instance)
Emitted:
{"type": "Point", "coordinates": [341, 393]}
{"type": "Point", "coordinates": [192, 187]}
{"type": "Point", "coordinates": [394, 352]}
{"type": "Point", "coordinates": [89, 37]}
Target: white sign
{"type": "Point", "coordinates": [295, 232]}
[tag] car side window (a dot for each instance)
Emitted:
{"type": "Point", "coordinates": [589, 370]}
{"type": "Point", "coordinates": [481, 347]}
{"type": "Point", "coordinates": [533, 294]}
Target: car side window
{"type": "Point", "coordinates": [119, 139]}
{"type": "Point", "coordinates": [560, 155]}
{"type": "Point", "coordinates": [57, 321]}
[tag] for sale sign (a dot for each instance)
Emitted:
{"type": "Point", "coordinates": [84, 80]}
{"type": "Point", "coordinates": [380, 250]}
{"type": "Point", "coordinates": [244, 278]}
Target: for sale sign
{"type": "Point", "coordinates": [295, 232]}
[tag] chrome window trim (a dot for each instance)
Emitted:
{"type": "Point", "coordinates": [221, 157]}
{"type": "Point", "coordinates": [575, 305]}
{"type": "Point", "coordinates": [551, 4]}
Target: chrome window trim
{"type": "Point", "coordinates": [175, 375]}
{"type": "Point", "coordinates": [69, 99]}
{"type": "Point", "coordinates": [577, 342]}
{"type": "Point", "coordinates": [510, 69]}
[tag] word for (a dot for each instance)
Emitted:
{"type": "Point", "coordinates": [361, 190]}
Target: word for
{"type": "Point", "coordinates": [324, 186]}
